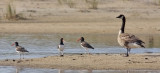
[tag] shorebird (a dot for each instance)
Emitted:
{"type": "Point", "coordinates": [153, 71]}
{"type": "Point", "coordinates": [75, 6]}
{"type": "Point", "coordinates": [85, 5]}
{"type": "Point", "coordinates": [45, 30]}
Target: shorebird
{"type": "Point", "coordinates": [61, 47]}
{"type": "Point", "coordinates": [20, 49]}
{"type": "Point", "coordinates": [128, 40]}
{"type": "Point", "coordinates": [85, 45]}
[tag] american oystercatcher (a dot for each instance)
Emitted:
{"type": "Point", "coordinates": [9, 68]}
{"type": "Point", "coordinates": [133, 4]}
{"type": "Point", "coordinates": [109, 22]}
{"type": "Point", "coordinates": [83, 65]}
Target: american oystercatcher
{"type": "Point", "coordinates": [85, 45]}
{"type": "Point", "coordinates": [61, 47]}
{"type": "Point", "coordinates": [128, 40]}
{"type": "Point", "coordinates": [20, 49]}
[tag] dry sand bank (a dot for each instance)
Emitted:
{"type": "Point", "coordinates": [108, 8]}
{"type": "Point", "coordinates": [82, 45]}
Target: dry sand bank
{"type": "Point", "coordinates": [95, 61]}
{"type": "Point", "coordinates": [52, 17]}
{"type": "Point", "coordinates": [108, 27]}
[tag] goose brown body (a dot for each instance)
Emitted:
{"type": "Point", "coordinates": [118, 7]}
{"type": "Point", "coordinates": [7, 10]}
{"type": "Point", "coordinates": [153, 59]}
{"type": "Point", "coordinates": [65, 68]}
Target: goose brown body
{"type": "Point", "coordinates": [129, 41]}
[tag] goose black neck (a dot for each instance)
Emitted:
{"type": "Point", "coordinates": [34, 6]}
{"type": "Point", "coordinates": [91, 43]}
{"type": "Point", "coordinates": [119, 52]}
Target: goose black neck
{"type": "Point", "coordinates": [123, 24]}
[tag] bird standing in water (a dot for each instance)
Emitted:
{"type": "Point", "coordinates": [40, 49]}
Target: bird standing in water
{"type": "Point", "coordinates": [19, 49]}
{"type": "Point", "coordinates": [85, 45]}
{"type": "Point", "coordinates": [61, 47]}
{"type": "Point", "coordinates": [128, 40]}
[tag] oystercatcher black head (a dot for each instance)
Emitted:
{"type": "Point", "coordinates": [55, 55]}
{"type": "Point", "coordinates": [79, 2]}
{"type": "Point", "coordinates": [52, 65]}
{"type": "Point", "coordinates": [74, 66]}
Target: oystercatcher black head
{"type": "Point", "coordinates": [82, 39]}
{"type": "Point", "coordinates": [61, 41]}
{"type": "Point", "coordinates": [15, 43]}
{"type": "Point", "coordinates": [85, 45]}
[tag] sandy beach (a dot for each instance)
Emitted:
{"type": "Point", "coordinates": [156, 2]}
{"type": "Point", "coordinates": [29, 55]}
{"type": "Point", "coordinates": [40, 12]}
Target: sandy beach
{"type": "Point", "coordinates": [95, 62]}
{"type": "Point", "coordinates": [108, 27]}
{"type": "Point", "coordinates": [51, 17]}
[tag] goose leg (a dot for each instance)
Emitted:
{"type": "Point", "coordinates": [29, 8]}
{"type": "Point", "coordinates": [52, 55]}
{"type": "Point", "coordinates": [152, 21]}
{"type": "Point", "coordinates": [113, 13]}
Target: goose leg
{"type": "Point", "coordinates": [23, 55]}
{"type": "Point", "coordinates": [127, 52]}
{"type": "Point", "coordinates": [129, 49]}
{"type": "Point", "coordinates": [20, 55]}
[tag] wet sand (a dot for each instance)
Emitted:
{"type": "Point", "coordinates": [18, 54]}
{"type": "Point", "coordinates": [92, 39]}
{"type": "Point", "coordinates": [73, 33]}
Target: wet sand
{"type": "Point", "coordinates": [95, 61]}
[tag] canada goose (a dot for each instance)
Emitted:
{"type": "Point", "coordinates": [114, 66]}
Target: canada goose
{"type": "Point", "coordinates": [20, 49]}
{"type": "Point", "coordinates": [128, 40]}
{"type": "Point", "coordinates": [61, 47]}
{"type": "Point", "coordinates": [85, 45]}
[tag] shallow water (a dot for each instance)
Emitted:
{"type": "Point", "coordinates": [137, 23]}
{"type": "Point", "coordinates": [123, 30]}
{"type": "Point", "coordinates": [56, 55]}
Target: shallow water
{"type": "Point", "coordinates": [11, 69]}
{"type": "Point", "coordinates": [42, 45]}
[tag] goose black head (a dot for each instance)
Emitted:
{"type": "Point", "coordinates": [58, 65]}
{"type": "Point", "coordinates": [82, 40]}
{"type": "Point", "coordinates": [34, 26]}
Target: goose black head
{"type": "Point", "coordinates": [121, 16]}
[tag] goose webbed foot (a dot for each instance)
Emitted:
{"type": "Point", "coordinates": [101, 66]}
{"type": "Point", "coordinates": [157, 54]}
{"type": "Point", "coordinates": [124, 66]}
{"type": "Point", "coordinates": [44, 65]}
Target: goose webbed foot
{"type": "Point", "coordinates": [127, 55]}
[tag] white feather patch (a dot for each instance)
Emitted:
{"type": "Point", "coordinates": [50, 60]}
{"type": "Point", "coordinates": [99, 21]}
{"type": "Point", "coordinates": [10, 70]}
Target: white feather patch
{"type": "Point", "coordinates": [134, 45]}
{"type": "Point", "coordinates": [61, 47]}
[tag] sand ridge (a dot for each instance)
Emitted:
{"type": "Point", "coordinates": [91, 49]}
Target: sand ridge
{"type": "Point", "coordinates": [52, 17]}
{"type": "Point", "coordinates": [94, 62]}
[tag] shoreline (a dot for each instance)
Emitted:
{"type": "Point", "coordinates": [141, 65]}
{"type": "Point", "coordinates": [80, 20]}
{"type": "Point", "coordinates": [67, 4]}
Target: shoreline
{"type": "Point", "coordinates": [144, 61]}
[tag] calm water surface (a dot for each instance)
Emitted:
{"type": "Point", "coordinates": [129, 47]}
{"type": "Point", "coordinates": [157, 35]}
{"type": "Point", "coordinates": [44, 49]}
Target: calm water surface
{"type": "Point", "coordinates": [42, 45]}
{"type": "Point", "coordinates": [10, 69]}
